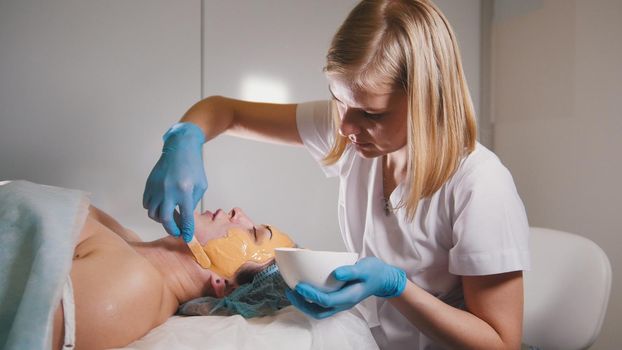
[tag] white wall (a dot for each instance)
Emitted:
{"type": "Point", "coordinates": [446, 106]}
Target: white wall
{"type": "Point", "coordinates": [464, 16]}
{"type": "Point", "coordinates": [283, 44]}
{"type": "Point", "coordinates": [557, 79]}
{"type": "Point", "coordinates": [88, 87]}
{"type": "Point", "coordinates": [278, 44]}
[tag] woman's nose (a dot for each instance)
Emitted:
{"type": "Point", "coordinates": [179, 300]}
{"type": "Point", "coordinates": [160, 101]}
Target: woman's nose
{"type": "Point", "coordinates": [348, 124]}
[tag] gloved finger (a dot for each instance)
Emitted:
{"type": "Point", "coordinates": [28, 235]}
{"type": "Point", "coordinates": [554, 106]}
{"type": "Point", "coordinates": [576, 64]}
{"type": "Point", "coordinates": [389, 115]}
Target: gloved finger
{"type": "Point", "coordinates": [344, 298]}
{"type": "Point", "coordinates": [197, 193]}
{"type": "Point", "coordinates": [307, 291]}
{"type": "Point", "coordinates": [187, 218]}
{"type": "Point", "coordinates": [347, 273]}
{"type": "Point", "coordinates": [314, 295]}
{"type": "Point", "coordinates": [149, 191]}
{"type": "Point", "coordinates": [154, 210]}
{"type": "Point", "coordinates": [311, 309]}
{"type": "Point", "coordinates": [166, 216]}
{"type": "Point", "coordinates": [146, 198]}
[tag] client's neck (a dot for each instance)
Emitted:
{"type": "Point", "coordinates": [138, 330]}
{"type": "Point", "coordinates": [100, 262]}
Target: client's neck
{"type": "Point", "coordinates": [182, 276]}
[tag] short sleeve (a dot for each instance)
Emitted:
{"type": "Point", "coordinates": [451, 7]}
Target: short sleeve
{"type": "Point", "coordinates": [316, 130]}
{"type": "Point", "coordinates": [490, 227]}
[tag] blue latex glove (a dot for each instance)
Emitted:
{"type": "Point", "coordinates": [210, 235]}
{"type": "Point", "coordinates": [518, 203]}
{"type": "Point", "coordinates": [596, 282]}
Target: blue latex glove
{"type": "Point", "coordinates": [369, 276]}
{"type": "Point", "coordinates": [177, 179]}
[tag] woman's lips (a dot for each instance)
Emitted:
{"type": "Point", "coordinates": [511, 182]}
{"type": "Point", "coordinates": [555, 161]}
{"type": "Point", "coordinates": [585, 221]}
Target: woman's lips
{"type": "Point", "coordinates": [212, 215]}
{"type": "Point", "coordinates": [361, 144]}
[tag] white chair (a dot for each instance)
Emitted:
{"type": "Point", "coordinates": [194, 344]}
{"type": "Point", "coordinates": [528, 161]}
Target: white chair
{"type": "Point", "coordinates": [566, 291]}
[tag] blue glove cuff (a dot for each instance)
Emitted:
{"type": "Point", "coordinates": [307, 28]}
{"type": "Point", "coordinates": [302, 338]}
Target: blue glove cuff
{"type": "Point", "coordinates": [187, 130]}
{"type": "Point", "coordinates": [399, 283]}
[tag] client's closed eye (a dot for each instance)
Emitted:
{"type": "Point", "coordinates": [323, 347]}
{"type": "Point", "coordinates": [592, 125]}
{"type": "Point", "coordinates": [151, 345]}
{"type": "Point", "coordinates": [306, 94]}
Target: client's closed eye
{"type": "Point", "coordinates": [259, 233]}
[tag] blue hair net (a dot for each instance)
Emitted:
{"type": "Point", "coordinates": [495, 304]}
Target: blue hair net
{"type": "Point", "coordinates": [262, 297]}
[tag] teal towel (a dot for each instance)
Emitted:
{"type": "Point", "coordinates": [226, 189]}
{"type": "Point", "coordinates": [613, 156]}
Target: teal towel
{"type": "Point", "coordinates": [39, 226]}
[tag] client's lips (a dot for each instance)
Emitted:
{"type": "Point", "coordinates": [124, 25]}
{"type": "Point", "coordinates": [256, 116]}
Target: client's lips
{"type": "Point", "coordinates": [219, 287]}
{"type": "Point", "coordinates": [216, 213]}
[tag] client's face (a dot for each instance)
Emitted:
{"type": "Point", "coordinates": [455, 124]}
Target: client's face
{"type": "Point", "coordinates": [236, 246]}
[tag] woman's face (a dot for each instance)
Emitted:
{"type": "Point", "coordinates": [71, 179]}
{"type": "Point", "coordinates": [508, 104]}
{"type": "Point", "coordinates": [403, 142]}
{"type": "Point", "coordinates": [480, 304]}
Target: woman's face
{"type": "Point", "coordinates": [373, 121]}
{"type": "Point", "coordinates": [235, 245]}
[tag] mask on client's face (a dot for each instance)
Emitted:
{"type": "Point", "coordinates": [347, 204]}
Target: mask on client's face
{"type": "Point", "coordinates": [231, 240]}
{"type": "Point", "coordinates": [243, 252]}
{"type": "Point", "coordinates": [238, 247]}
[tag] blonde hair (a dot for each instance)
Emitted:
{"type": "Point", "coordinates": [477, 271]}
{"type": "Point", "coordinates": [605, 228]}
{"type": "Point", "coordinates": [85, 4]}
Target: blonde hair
{"type": "Point", "coordinates": [409, 45]}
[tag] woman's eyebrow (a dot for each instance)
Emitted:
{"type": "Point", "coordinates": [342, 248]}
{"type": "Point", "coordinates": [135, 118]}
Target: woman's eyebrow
{"type": "Point", "coordinates": [368, 110]}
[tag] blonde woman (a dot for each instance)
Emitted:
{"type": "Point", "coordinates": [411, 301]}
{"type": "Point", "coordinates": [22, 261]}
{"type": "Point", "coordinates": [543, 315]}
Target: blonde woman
{"type": "Point", "coordinates": [435, 215]}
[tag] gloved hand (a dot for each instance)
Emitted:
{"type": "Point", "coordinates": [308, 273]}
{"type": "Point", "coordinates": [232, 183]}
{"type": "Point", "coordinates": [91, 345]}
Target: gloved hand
{"type": "Point", "coordinates": [177, 179]}
{"type": "Point", "coordinates": [369, 276]}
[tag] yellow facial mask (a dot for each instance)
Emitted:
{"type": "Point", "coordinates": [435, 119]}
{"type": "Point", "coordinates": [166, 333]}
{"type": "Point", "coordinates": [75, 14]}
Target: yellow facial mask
{"type": "Point", "coordinates": [229, 253]}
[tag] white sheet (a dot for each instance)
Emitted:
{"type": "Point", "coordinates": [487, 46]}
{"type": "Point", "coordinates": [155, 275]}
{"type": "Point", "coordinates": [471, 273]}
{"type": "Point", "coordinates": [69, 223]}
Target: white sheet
{"type": "Point", "coordinates": [287, 329]}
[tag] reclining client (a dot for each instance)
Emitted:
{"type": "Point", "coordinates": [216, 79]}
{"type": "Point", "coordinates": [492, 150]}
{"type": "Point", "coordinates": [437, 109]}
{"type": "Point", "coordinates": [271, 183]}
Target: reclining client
{"type": "Point", "coordinates": [123, 287]}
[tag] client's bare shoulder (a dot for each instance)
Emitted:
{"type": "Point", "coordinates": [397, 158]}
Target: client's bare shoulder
{"type": "Point", "coordinates": [113, 225]}
{"type": "Point", "coordinates": [119, 295]}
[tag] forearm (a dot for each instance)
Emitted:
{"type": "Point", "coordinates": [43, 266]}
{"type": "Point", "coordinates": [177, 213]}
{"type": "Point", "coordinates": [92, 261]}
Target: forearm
{"type": "Point", "coordinates": [447, 325]}
{"type": "Point", "coordinates": [214, 115]}
{"type": "Point", "coordinates": [269, 122]}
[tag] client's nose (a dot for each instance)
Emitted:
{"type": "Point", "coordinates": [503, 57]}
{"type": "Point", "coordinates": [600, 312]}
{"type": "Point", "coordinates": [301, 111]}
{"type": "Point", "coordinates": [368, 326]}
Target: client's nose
{"type": "Point", "coordinates": [237, 213]}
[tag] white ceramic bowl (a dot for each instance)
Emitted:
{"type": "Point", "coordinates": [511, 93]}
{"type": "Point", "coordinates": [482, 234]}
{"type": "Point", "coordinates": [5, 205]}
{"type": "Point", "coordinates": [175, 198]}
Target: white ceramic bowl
{"type": "Point", "coordinates": [312, 267]}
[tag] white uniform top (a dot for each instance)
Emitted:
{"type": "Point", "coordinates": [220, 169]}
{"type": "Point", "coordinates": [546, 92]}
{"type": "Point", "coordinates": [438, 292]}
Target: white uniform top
{"type": "Point", "coordinates": [475, 224]}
